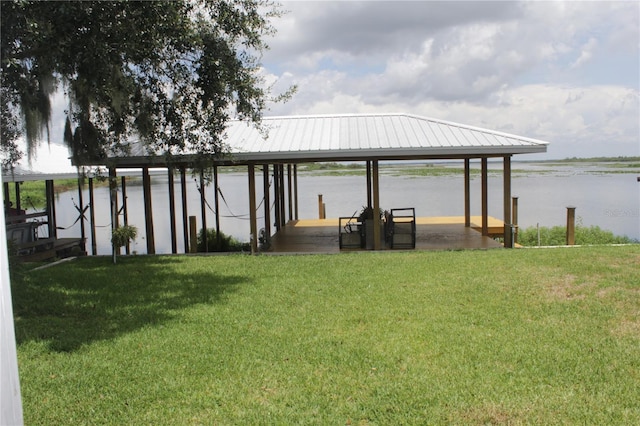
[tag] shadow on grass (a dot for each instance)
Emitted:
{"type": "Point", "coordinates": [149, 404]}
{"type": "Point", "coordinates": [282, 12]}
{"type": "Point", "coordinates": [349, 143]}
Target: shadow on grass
{"type": "Point", "coordinates": [89, 300]}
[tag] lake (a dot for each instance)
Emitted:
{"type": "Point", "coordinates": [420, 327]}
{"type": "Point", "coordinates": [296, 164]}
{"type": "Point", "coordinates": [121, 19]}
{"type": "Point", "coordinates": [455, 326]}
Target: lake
{"type": "Point", "coordinates": [602, 195]}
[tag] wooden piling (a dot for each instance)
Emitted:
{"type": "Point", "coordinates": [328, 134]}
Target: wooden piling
{"type": "Point", "coordinates": [203, 214]}
{"type": "Point", "coordinates": [148, 210]}
{"type": "Point", "coordinates": [485, 197]}
{"type": "Point", "coordinates": [467, 192]}
{"type": "Point", "coordinates": [81, 212]}
{"type": "Point", "coordinates": [252, 209]}
{"type": "Point", "coordinates": [506, 184]}
{"type": "Point", "coordinates": [172, 212]}
{"type": "Point", "coordinates": [125, 213]}
{"type": "Point", "coordinates": [514, 218]}
{"type": "Point", "coordinates": [193, 235]}
{"type": "Point", "coordinates": [267, 200]}
{"type": "Point", "coordinates": [216, 206]}
{"type": "Point", "coordinates": [571, 225]}
{"type": "Point", "coordinates": [185, 218]}
{"type": "Point", "coordinates": [320, 208]}
{"type": "Point", "coordinates": [92, 218]}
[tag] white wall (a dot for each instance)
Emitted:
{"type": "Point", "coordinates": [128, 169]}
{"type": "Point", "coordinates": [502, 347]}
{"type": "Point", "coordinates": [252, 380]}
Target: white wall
{"type": "Point", "coordinates": [10, 402]}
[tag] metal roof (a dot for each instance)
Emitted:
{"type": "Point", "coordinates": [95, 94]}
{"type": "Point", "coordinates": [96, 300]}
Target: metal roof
{"type": "Point", "coordinates": [368, 136]}
{"type": "Point", "coordinates": [355, 137]}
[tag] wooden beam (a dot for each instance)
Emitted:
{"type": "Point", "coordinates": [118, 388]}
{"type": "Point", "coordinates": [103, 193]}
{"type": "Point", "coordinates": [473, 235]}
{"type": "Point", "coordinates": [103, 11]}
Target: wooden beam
{"type": "Point", "coordinates": [290, 190]}
{"type": "Point", "coordinates": [185, 215]}
{"type": "Point", "coordinates": [113, 201]}
{"type": "Point", "coordinates": [252, 209]}
{"type": "Point", "coordinates": [123, 187]}
{"type": "Point", "coordinates": [467, 192]}
{"type": "Point", "coordinates": [148, 210]}
{"type": "Point", "coordinates": [172, 211]}
{"type": "Point", "coordinates": [369, 189]}
{"type": "Point", "coordinates": [376, 206]}
{"type": "Point", "coordinates": [92, 218]}
{"type": "Point", "coordinates": [295, 190]}
{"type": "Point", "coordinates": [276, 195]}
{"type": "Point", "coordinates": [18, 201]}
{"type": "Point", "coordinates": [283, 215]}
{"type": "Point", "coordinates": [485, 197]}
{"type": "Point", "coordinates": [83, 236]}
{"type": "Point", "coordinates": [203, 213]}
{"type": "Point", "coordinates": [267, 200]}
{"type": "Point", "coordinates": [506, 183]}
{"type": "Point", "coordinates": [216, 201]}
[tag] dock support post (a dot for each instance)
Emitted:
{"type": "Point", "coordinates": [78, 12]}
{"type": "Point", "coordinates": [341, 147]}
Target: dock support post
{"type": "Point", "coordinates": [203, 213]}
{"type": "Point", "coordinates": [506, 183]}
{"type": "Point", "coordinates": [83, 236]}
{"type": "Point", "coordinates": [320, 207]}
{"type": "Point", "coordinates": [467, 192]}
{"type": "Point", "coordinates": [193, 233]}
{"type": "Point", "coordinates": [283, 215]}
{"type": "Point", "coordinates": [369, 186]}
{"type": "Point", "coordinates": [267, 201]}
{"type": "Point", "coordinates": [172, 211]}
{"type": "Point", "coordinates": [92, 217]}
{"type": "Point", "coordinates": [18, 202]}
{"type": "Point", "coordinates": [376, 207]}
{"type": "Point", "coordinates": [148, 211]}
{"type": "Point", "coordinates": [125, 214]}
{"type": "Point", "coordinates": [514, 218]}
{"type": "Point", "coordinates": [290, 190]}
{"type": "Point", "coordinates": [185, 218]}
{"type": "Point", "coordinates": [295, 190]}
{"type": "Point", "coordinates": [113, 198]}
{"type": "Point", "coordinates": [485, 197]}
{"type": "Point", "coordinates": [276, 196]}
{"type": "Point", "coordinates": [252, 209]}
{"type": "Point", "coordinates": [571, 225]}
{"type": "Point", "coordinates": [216, 204]}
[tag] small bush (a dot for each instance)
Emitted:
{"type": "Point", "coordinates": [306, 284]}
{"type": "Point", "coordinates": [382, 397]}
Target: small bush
{"type": "Point", "coordinates": [123, 235]}
{"type": "Point", "coordinates": [557, 236]}
{"type": "Point", "coordinates": [227, 242]}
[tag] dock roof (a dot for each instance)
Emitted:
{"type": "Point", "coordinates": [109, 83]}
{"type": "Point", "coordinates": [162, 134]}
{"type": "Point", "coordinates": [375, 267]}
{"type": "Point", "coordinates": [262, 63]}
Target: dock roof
{"type": "Point", "coordinates": [354, 137]}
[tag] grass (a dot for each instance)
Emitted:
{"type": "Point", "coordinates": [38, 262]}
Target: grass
{"type": "Point", "coordinates": [547, 336]}
{"type": "Point", "coordinates": [557, 236]}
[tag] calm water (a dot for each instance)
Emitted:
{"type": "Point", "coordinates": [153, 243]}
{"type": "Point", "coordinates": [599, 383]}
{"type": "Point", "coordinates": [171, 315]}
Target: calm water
{"type": "Point", "coordinates": [608, 200]}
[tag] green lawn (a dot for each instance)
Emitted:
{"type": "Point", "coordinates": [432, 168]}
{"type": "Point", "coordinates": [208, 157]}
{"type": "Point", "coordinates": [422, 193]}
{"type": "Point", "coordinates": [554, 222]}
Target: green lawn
{"type": "Point", "coordinates": [549, 336]}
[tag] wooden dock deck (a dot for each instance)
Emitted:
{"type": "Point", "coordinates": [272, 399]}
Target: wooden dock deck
{"type": "Point", "coordinates": [432, 233]}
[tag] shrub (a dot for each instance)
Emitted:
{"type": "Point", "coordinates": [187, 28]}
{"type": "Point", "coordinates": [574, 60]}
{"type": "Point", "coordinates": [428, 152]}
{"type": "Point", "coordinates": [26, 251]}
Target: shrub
{"type": "Point", "coordinates": [557, 236]}
{"type": "Point", "coordinates": [227, 242]}
{"type": "Point", "coordinates": [123, 235]}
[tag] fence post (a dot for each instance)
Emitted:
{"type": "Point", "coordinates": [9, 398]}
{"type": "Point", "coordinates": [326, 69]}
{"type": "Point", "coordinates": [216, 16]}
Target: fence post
{"type": "Point", "coordinates": [571, 225]}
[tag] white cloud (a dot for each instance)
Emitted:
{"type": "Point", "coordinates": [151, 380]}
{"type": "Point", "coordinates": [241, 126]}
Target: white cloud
{"type": "Point", "coordinates": [566, 72]}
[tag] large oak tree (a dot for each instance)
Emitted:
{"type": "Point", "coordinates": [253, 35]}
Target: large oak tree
{"type": "Point", "coordinates": [168, 73]}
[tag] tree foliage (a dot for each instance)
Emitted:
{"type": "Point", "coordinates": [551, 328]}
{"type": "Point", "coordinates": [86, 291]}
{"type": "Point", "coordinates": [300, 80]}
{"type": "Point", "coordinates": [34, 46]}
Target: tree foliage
{"type": "Point", "coordinates": [168, 73]}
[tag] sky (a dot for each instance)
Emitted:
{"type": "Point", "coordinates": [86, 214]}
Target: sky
{"type": "Point", "coordinates": [565, 72]}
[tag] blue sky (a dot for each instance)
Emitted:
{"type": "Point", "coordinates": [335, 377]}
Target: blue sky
{"type": "Point", "coordinates": [562, 71]}
{"type": "Point", "coordinates": [566, 72]}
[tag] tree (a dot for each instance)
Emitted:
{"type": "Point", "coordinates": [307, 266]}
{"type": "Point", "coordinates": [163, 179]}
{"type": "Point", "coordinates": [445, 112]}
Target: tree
{"type": "Point", "coordinates": [169, 73]}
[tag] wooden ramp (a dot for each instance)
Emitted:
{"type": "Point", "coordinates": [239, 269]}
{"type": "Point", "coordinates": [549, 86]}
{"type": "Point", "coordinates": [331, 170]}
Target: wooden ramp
{"type": "Point", "coordinates": [432, 233]}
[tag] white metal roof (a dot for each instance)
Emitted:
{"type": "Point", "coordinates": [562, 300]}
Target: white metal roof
{"type": "Point", "coordinates": [353, 137]}
{"type": "Point", "coordinates": [362, 136]}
